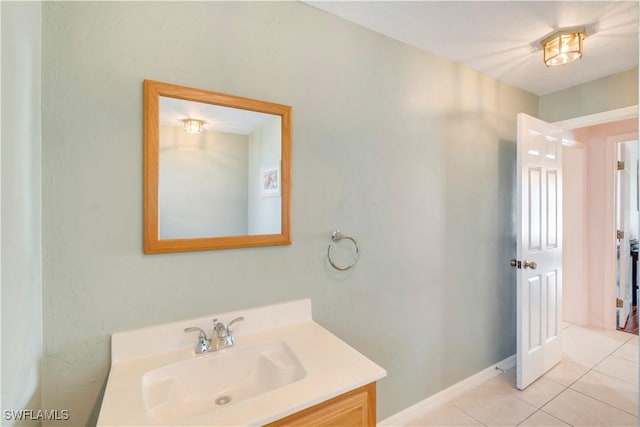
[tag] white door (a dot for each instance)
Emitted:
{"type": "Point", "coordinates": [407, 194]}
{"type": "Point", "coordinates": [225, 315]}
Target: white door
{"type": "Point", "coordinates": [623, 214]}
{"type": "Point", "coordinates": [539, 248]}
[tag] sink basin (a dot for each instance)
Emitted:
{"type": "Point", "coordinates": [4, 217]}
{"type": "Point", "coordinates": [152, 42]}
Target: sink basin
{"type": "Point", "coordinates": [283, 362]}
{"type": "Point", "coordinates": [214, 381]}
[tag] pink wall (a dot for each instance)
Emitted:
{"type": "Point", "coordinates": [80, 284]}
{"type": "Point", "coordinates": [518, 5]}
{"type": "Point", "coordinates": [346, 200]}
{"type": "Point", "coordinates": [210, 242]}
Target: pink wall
{"type": "Point", "coordinates": [575, 285]}
{"type": "Point", "coordinates": [599, 212]}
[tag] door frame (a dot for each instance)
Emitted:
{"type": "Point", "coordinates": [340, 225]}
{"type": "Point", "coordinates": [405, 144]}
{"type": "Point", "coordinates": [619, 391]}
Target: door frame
{"type": "Point", "coordinates": [599, 118]}
{"type": "Point", "coordinates": [611, 266]}
{"type": "Point", "coordinates": [609, 225]}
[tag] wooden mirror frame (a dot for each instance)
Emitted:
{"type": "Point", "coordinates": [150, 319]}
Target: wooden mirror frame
{"type": "Point", "coordinates": [153, 90]}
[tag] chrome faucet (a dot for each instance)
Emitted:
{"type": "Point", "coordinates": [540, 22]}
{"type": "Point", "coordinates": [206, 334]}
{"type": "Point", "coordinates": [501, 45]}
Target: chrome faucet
{"type": "Point", "coordinates": [221, 336]}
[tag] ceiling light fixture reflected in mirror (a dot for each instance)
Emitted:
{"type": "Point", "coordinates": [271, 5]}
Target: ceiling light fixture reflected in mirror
{"type": "Point", "coordinates": [193, 126]}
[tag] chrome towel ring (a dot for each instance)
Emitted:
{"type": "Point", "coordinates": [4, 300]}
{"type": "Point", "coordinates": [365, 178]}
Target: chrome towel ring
{"type": "Point", "coordinates": [336, 236]}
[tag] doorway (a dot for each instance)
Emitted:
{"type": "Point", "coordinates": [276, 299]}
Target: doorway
{"type": "Point", "coordinates": [591, 243]}
{"type": "Point", "coordinates": [627, 208]}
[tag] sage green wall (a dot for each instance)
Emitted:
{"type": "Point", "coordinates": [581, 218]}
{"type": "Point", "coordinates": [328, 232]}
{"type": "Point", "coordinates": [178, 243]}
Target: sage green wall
{"type": "Point", "coordinates": [21, 208]}
{"type": "Point", "coordinates": [411, 154]}
{"type": "Point", "coordinates": [608, 93]}
{"type": "Point", "coordinates": [213, 166]}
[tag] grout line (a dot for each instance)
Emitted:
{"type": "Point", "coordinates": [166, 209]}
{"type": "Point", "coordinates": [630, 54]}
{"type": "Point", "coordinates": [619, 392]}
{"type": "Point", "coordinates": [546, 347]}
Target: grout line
{"type": "Point", "coordinates": [581, 376]}
{"type": "Point", "coordinates": [556, 395]}
{"type": "Point", "coordinates": [547, 413]}
{"type": "Point", "coordinates": [517, 393]}
{"type": "Point", "coordinates": [588, 370]}
{"type": "Point", "coordinates": [592, 369]}
{"type": "Point", "coordinates": [575, 381]}
{"type": "Point", "coordinates": [584, 394]}
{"type": "Point", "coordinates": [611, 376]}
{"type": "Point", "coordinates": [606, 403]}
{"type": "Point", "coordinates": [622, 358]}
{"type": "Point", "coordinates": [466, 413]}
{"type": "Point", "coordinates": [557, 417]}
{"type": "Point", "coordinates": [530, 415]}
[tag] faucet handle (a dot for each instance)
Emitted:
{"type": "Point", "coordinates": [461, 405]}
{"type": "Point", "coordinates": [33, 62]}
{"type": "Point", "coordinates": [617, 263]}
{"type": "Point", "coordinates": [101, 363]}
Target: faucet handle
{"type": "Point", "coordinates": [202, 346]}
{"type": "Point", "coordinates": [203, 334]}
{"type": "Point", "coordinates": [237, 319]}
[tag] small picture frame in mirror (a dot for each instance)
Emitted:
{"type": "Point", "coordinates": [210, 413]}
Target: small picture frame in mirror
{"type": "Point", "coordinates": [270, 182]}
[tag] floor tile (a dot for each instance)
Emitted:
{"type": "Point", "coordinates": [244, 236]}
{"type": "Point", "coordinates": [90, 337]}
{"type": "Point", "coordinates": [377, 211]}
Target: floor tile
{"type": "Point", "coordinates": [628, 351]}
{"type": "Point", "coordinates": [503, 384]}
{"type": "Point", "coordinates": [576, 352]}
{"type": "Point", "coordinates": [619, 368]}
{"type": "Point", "coordinates": [565, 373]}
{"type": "Point", "coordinates": [540, 392]}
{"type": "Point", "coordinates": [542, 419]}
{"type": "Point", "coordinates": [612, 391]}
{"type": "Point", "coordinates": [595, 339]}
{"type": "Point", "coordinates": [494, 404]}
{"type": "Point", "coordinates": [610, 333]}
{"type": "Point", "coordinates": [595, 384]}
{"type": "Point", "coordinates": [578, 409]}
{"type": "Point", "coordinates": [446, 415]}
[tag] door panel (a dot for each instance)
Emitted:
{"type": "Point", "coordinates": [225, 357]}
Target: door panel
{"type": "Point", "coordinates": [552, 305]}
{"type": "Point", "coordinates": [535, 320]}
{"type": "Point", "coordinates": [535, 209]}
{"type": "Point", "coordinates": [552, 209]}
{"type": "Point", "coordinates": [539, 248]}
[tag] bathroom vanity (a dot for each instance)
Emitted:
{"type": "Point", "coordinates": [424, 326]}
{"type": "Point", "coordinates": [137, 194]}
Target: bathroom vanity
{"type": "Point", "coordinates": [283, 369]}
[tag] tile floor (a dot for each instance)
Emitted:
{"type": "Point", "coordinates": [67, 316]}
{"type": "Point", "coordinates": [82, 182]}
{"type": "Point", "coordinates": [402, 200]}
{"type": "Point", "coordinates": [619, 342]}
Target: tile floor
{"type": "Point", "coordinates": [596, 384]}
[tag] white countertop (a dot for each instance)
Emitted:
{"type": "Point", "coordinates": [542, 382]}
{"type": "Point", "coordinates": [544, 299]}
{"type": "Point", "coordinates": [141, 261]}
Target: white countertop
{"type": "Point", "coordinates": [332, 367]}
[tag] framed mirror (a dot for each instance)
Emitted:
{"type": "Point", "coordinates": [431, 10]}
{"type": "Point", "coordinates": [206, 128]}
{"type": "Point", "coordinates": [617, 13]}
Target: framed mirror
{"type": "Point", "coordinates": [217, 170]}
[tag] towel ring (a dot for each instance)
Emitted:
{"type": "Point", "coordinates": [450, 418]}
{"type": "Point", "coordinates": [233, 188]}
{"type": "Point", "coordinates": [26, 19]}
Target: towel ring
{"type": "Point", "coordinates": [336, 236]}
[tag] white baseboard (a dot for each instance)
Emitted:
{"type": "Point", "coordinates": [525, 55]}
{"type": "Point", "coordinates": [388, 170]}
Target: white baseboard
{"type": "Point", "coordinates": [410, 414]}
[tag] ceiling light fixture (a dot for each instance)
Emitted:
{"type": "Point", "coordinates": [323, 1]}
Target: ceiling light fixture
{"type": "Point", "coordinates": [193, 126]}
{"type": "Point", "coordinates": [563, 46]}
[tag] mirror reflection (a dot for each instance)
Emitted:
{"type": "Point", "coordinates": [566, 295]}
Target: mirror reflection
{"type": "Point", "coordinates": [219, 171]}
{"type": "Point", "coordinates": [216, 171]}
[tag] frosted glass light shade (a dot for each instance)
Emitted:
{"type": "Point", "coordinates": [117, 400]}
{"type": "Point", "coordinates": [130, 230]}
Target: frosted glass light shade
{"type": "Point", "coordinates": [193, 126]}
{"type": "Point", "coordinates": [563, 47]}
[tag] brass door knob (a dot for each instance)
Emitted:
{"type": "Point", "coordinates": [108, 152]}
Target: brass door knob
{"type": "Point", "coordinates": [530, 264]}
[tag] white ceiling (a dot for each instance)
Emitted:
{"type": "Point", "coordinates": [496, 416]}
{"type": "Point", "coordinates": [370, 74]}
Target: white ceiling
{"type": "Point", "coordinates": [501, 38]}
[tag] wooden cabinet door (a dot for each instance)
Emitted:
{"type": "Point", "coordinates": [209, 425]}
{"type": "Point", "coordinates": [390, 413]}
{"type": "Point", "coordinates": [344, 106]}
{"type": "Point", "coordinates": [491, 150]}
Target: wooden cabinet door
{"type": "Point", "coordinates": [352, 409]}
